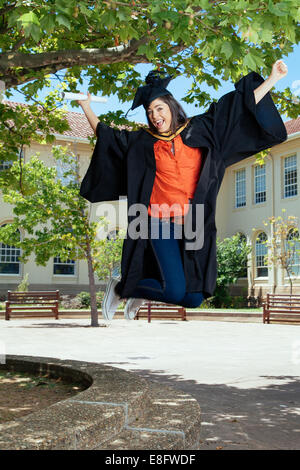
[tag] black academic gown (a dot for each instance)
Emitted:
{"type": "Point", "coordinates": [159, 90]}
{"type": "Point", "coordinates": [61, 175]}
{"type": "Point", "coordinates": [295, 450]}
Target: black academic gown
{"type": "Point", "coordinates": [123, 164]}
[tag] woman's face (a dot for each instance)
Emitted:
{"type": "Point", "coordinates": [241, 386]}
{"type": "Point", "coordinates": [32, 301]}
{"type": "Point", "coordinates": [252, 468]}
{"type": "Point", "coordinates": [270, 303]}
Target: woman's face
{"type": "Point", "coordinates": [160, 115]}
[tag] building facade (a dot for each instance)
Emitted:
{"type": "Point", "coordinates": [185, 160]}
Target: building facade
{"type": "Point", "coordinates": [250, 193]}
{"type": "Point", "coordinates": [69, 277]}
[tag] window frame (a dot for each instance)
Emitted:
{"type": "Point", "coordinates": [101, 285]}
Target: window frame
{"type": "Point", "coordinates": [257, 276]}
{"type": "Point", "coordinates": [5, 246]}
{"type": "Point", "coordinates": [297, 275]}
{"type": "Point", "coordinates": [64, 263]}
{"type": "Point", "coordinates": [284, 186]}
{"type": "Point", "coordinates": [255, 178]}
{"type": "Point", "coordinates": [236, 196]}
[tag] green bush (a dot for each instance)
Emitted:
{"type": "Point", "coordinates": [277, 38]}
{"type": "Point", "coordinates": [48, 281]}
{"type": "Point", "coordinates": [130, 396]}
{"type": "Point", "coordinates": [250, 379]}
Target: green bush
{"type": "Point", "coordinates": [239, 302]}
{"type": "Point", "coordinates": [225, 301]}
{"type": "Point", "coordinates": [85, 299]}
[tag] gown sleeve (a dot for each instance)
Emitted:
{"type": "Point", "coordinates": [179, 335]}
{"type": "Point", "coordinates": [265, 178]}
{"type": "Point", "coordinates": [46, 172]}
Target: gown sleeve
{"type": "Point", "coordinates": [240, 127]}
{"type": "Point", "coordinates": [105, 179]}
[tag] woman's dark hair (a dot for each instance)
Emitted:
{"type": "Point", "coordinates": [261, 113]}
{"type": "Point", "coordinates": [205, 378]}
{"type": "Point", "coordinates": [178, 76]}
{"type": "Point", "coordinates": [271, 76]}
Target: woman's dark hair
{"type": "Point", "coordinates": [179, 116]}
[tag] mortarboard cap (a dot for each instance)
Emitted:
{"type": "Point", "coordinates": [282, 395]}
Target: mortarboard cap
{"type": "Point", "coordinates": [154, 88]}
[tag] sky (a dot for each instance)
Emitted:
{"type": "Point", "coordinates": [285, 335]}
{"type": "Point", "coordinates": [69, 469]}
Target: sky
{"type": "Point", "coordinates": [180, 86]}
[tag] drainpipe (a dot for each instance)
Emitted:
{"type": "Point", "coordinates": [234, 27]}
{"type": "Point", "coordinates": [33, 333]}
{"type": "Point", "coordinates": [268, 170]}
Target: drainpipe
{"type": "Point", "coordinates": [271, 158]}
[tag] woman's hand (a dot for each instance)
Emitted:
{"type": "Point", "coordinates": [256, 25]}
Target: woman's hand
{"type": "Point", "coordinates": [90, 115]}
{"type": "Point", "coordinates": [85, 103]}
{"type": "Point", "coordinates": [279, 70]}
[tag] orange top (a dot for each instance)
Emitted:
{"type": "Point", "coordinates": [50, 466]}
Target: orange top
{"type": "Point", "coordinates": [176, 177]}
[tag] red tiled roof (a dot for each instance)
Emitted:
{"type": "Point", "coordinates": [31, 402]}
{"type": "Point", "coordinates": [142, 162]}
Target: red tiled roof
{"type": "Point", "coordinates": [292, 126]}
{"type": "Point", "coordinates": [80, 127]}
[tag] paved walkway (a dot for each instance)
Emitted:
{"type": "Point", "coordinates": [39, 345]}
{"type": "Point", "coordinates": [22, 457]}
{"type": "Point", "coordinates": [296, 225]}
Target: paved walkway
{"type": "Point", "coordinates": [244, 375]}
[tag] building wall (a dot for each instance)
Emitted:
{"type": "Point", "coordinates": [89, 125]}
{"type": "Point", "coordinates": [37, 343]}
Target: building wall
{"type": "Point", "coordinates": [42, 277]}
{"type": "Point", "coordinates": [249, 219]}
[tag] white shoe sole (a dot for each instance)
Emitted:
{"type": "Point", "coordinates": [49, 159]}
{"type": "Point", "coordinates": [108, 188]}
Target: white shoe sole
{"type": "Point", "coordinates": [107, 313]}
{"type": "Point", "coordinates": [130, 314]}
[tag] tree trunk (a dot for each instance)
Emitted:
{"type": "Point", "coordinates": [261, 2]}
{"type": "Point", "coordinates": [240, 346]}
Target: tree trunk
{"type": "Point", "coordinates": [291, 283]}
{"type": "Point", "coordinates": [94, 310]}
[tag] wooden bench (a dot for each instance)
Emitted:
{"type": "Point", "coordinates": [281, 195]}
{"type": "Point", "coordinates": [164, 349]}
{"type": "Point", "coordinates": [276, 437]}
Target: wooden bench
{"type": "Point", "coordinates": [161, 310]}
{"type": "Point", "coordinates": [32, 304]}
{"type": "Point", "coordinates": [281, 307]}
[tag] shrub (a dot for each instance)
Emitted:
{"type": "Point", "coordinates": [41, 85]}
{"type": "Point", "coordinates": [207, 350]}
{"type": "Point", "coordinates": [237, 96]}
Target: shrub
{"type": "Point", "coordinates": [85, 299]}
{"type": "Point", "coordinates": [24, 284]}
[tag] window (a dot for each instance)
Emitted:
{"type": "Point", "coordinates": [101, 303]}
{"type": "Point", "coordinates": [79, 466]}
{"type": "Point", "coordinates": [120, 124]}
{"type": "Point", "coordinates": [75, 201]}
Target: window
{"type": "Point", "coordinates": [63, 267]}
{"type": "Point", "coordinates": [66, 172]}
{"type": "Point", "coordinates": [290, 176]}
{"type": "Point", "coordinates": [261, 251]}
{"type": "Point", "coordinates": [5, 165]}
{"type": "Point", "coordinates": [293, 251]}
{"type": "Point", "coordinates": [9, 259]}
{"type": "Point", "coordinates": [240, 188]}
{"type": "Point", "coordinates": [259, 184]}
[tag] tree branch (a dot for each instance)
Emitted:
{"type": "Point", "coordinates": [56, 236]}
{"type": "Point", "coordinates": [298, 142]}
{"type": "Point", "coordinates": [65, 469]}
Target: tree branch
{"type": "Point", "coordinates": [6, 8]}
{"type": "Point", "coordinates": [53, 61]}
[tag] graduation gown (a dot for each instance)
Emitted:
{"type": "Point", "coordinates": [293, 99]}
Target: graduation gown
{"type": "Point", "coordinates": [123, 164]}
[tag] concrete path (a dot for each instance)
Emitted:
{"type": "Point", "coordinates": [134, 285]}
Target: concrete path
{"type": "Point", "coordinates": [245, 376]}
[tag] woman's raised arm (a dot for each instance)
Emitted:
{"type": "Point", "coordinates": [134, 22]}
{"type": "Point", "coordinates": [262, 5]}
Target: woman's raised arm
{"type": "Point", "coordinates": [90, 115]}
{"type": "Point", "coordinates": [279, 70]}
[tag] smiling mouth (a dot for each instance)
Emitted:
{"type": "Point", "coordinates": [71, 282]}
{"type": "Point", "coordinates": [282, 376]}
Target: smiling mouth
{"type": "Point", "coordinates": [159, 123]}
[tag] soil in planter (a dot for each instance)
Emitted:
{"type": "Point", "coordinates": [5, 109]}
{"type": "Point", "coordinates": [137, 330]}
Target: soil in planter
{"type": "Point", "coordinates": [22, 393]}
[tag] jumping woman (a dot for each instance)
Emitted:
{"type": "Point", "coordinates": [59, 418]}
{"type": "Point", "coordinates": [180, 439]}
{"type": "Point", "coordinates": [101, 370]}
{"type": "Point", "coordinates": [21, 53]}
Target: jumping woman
{"type": "Point", "coordinates": [172, 168]}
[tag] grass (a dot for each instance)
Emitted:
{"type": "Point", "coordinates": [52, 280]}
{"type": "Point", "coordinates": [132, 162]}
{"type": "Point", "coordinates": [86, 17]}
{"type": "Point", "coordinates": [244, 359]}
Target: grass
{"type": "Point", "coordinates": [254, 310]}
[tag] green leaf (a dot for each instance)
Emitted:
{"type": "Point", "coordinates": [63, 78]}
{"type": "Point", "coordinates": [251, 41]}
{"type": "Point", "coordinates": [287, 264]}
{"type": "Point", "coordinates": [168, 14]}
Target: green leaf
{"type": "Point", "coordinates": [123, 14]}
{"type": "Point", "coordinates": [249, 61]}
{"type": "Point", "coordinates": [109, 19]}
{"type": "Point", "coordinates": [142, 50]}
{"type": "Point", "coordinates": [28, 19]}
{"type": "Point", "coordinates": [278, 9]}
{"type": "Point", "coordinates": [64, 21]}
{"type": "Point", "coordinates": [156, 9]}
{"type": "Point", "coordinates": [266, 33]}
{"type": "Point", "coordinates": [253, 61]}
{"type": "Point", "coordinates": [35, 32]}
{"type": "Point", "coordinates": [48, 23]}
{"type": "Point", "coordinates": [290, 34]}
{"type": "Point", "coordinates": [132, 33]}
{"type": "Point", "coordinates": [227, 49]}
{"type": "Point", "coordinates": [85, 10]}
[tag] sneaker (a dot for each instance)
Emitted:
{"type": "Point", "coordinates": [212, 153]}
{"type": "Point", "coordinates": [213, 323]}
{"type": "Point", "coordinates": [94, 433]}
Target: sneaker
{"type": "Point", "coordinates": [132, 307]}
{"type": "Point", "coordinates": [111, 300]}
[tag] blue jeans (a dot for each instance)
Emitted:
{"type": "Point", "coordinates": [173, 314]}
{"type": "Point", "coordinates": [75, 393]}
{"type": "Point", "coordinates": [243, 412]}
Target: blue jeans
{"type": "Point", "coordinates": [167, 250]}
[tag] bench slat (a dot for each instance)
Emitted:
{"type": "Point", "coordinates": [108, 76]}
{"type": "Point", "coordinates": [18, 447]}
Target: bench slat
{"type": "Point", "coordinates": [161, 310]}
{"type": "Point", "coordinates": [39, 301]}
{"type": "Point", "coordinates": [281, 307]}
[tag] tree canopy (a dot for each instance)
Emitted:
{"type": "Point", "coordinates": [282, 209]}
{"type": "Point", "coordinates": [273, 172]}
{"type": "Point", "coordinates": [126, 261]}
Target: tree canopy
{"type": "Point", "coordinates": [208, 40]}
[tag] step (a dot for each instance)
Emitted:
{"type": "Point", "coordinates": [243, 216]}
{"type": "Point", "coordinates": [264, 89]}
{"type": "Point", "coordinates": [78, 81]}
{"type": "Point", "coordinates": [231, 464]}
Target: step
{"type": "Point", "coordinates": [118, 410]}
{"type": "Point", "coordinates": [173, 422]}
